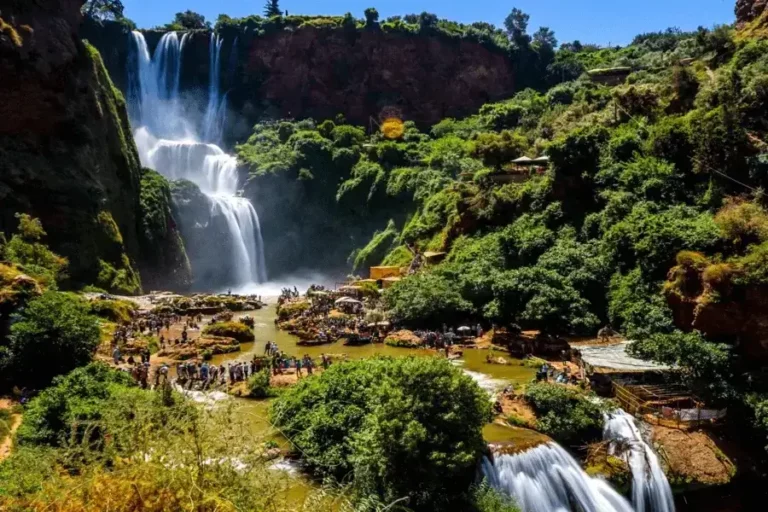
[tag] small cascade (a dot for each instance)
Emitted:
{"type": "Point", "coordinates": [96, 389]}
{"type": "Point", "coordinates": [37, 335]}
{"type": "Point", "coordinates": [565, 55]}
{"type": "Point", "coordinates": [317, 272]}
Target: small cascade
{"type": "Point", "coordinates": [650, 489]}
{"type": "Point", "coordinates": [547, 479]}
{"type": "Point", "coordinates": [167, 143]}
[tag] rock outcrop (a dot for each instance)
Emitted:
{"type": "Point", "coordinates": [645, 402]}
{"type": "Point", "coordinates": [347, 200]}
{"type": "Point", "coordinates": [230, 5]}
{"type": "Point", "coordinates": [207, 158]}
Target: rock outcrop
{"type": "Point", "coordinates": [748, 10]}
{"type": "Point", "coordinates": [317, 73]}
{"type": "Point", "coordinates": [67, 155]}
{"type": "Point", "coordinates": [713, 299]}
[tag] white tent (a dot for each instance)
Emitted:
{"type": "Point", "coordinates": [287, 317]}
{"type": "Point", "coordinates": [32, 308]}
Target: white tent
{"type": "Point", "coordinates": [521, 160]}
{"type": "Point", "coordinates": [615, 357]}
{"type": "Point", "coordinates": [347, 300]}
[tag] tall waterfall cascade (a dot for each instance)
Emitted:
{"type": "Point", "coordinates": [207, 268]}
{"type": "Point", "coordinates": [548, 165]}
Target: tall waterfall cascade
{"type": "Point", "coordinates": [547, 479]}
{"type": "Point", "coordinates": [650, 488]}
{"type": "Point", "coordinates": [170, 142]}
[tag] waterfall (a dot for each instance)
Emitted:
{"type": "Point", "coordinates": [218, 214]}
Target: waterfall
{"type": "Point", "coordinates": [650, 489]}
{"type": "Point", "coordinates": [167, 143]}
{"type": "Point", "coordinates": [547, 479]}
{"type": "Point", "coordinates": [211, 128]}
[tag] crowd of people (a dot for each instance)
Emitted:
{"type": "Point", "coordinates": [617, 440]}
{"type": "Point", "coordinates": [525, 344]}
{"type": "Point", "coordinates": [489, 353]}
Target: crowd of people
{"type": "Point", "coordinates": [448, 336]}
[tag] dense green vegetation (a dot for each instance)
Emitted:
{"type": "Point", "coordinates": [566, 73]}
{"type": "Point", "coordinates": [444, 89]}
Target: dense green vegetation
{"type": "Point", "coordinates": [53, 334]}
{"type": "Point", "coordinates": [95, 438]}
{"type": "Point", "coordinates": [408, 427]}
{"type": "Point", "coordinates": [27, 250]}
{"type": "Point", "coordinates": [637, 173]}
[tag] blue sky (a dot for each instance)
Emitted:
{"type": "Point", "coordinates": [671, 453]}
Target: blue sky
{"type": "Point", "coordinates": [591, 21]}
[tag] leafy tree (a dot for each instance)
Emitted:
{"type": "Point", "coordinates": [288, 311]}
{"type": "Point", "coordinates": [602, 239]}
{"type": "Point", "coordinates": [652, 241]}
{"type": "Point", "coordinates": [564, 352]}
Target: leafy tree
{"type": "Point", "coordinates": [427, 20]}
{"type": "Point", "coordinates": [191, 20]}
{"type": "Point", "coordinates": [545, 37]}
{"type": "Point", "coordinates": [272, 8]}
{"type": "Point", "coordinates": [258, 384]}
{"type": "Point", "coordinates": [405, 427]}
{"type": "Point", "coordinates": [426, 299]}
{"type": "Point", "coordinates": [371, 17]}
{"type": "Point", "coordinates": [488, 499]}
{"type": "Point", "coordinates": [707, 365]}
{"type": "Point", "coordinates": [25, 248]}
{"type": "Point", "coordinates": [52, 335]}
{"type": "Point", "coordinates": [103, 9]}
{"type": "Point", "coordinates": [516, 24]}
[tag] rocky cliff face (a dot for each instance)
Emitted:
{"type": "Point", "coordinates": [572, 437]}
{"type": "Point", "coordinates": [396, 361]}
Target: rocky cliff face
{"type": "Point", "coordinates": [317, 73]}
{"type": "Point", "coordinates": [707, 298]}
{"type": "Point", "coordinates": [748, 10]}
{"type": "Point", "coordinates": [312, 72]}
{"type": "Point", "coordinates": [66, 151]}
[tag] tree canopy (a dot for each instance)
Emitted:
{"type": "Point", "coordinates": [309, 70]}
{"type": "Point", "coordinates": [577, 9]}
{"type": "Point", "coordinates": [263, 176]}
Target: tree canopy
{"type": "Point", "coordinates": [405, 427]}
{"type": "Point", "coordinates": [52, 335]}
{"type": "Point", "coordinates": [104, 9]}
{"type": "Point", "coordinates": [272, 8]}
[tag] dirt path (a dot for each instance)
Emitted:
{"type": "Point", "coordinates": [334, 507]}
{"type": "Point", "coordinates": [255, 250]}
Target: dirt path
{"type": "Point", "coordinates": [6, 446]}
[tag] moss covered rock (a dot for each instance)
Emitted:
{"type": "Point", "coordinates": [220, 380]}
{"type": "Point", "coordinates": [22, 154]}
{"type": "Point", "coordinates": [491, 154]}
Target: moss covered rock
{"type": "Point", "coordinates": [164, 261]}
{"type": "Point", "coordinates": [66, 151]}
{"type": "Point", "coordinates": [236, 330]}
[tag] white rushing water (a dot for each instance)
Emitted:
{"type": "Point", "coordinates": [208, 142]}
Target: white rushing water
{"type": "Point", "coordinates": [650, 488]}
{"type": "Point", "coordinates": [547, 479]}
{"type": "Point", "coordinates": [170, 143]}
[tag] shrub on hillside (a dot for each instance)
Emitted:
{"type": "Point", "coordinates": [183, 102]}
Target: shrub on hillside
{"type": "Point", "coordinates": [236, 330]}
{"type": "Point", "coordinates": [52, 335]}
{"type": "Point", "coordinates": [26, 249]}
{"type": "Point", "coordinates": [404, 427]}
{"type": "Point", "coordinates": [258, 384]}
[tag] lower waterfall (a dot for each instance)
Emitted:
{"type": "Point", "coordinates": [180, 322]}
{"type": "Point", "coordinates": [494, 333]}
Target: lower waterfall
{"type": "Point", "coordinates": [547, 479]}
{"type": "Point", "coordinates": [650, 489]}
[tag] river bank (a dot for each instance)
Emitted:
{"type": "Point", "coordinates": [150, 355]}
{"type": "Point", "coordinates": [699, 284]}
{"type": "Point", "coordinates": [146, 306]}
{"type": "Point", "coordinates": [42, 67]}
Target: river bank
{"type": "Point", "coordinates": [482, 364]}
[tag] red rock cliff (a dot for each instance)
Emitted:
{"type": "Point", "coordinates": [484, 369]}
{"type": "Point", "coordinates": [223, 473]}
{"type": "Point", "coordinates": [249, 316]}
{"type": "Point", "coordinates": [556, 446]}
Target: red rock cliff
{"type": "Point", "coordinates": [318, 73]}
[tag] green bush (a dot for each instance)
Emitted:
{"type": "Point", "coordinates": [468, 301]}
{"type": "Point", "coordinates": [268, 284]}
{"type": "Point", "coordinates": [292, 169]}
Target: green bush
{"type": "Point", "coordinates": [488, 499]}
{"type": "Point", "coordinates": [258, 384]}
{"type": "Point", "coordinates": [566, 414]}
{"type": "Point", "coordinates": [77, 398]}
{"type": "Point", "coordinates": [26, 249]}
{"type": "Point", "coordinates": [236, 330]}
{"type": "Point", "coordinates": [52, 335]}
{"type": "Point", "coordinates": [403, 427]}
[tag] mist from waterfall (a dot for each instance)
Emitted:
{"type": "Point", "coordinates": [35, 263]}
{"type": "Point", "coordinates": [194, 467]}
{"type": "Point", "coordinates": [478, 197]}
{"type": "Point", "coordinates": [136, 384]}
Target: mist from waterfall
{"type": "Point", "coordinates": [169, 142]}
{"type": "Point", "coordinates": [651, 491]}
